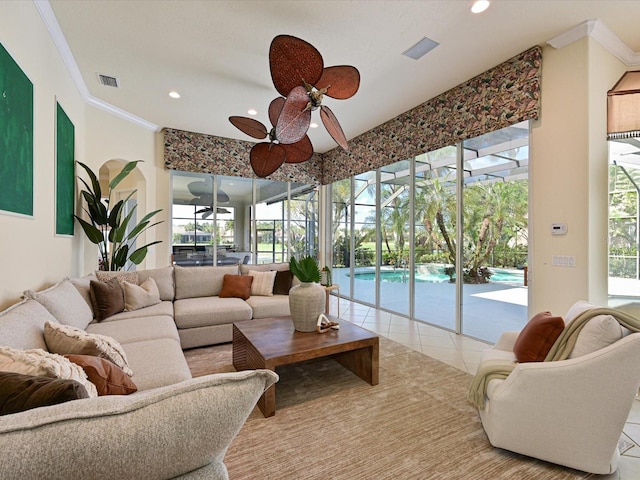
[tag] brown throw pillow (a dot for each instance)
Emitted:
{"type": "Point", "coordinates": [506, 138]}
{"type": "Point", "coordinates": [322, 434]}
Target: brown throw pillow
{"type": "Point", "coordinates": [283, 282]}
{"type": "Point", "coordinates": [108, 378]}
{"type": "Point", "coordinates": [236, 286]}
{"type": "Point", "coordinates": [20, 392]}
{"type": "Point", "coordinates": [107, 298]}
{"type": "Point", "coordinates": [537, 337]}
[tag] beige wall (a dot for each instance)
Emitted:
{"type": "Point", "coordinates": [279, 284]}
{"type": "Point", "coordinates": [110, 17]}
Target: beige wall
{"type": "Point", "coordinates": [31, 255]}
{"type": "Point", "coordinates": [568, 176]}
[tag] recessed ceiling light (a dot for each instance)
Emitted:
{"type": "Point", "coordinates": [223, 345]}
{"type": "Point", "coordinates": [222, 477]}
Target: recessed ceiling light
{"type": "Point", "coordinates": [479, 6]}
{"type": "Point", "coordinates": [252, 111]}
{"type": "Point", "coordinates": [174, 94]}
{"type": "Point", "coordinates": [313, 125]}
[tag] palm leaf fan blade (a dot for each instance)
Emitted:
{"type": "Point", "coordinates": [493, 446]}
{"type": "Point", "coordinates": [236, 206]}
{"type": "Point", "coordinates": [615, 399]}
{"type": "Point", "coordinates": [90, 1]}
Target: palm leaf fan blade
{"type": "Point", "coordinates": [341, 81]}
{"type": "Point", "coordinates": [294, 118]}
{"type": "Point", "coordinates": [292, 60]}
{"type": "Point", "coordinates": [275, 108]}
{"type": "Point", "coordinates": [300, 151]}
{"type": "Point", "coordinates": [333, 127]}
{"type": "Point", "coordinates": [266, 158]}
{"type": "Point", "coordinates": [251, 127]}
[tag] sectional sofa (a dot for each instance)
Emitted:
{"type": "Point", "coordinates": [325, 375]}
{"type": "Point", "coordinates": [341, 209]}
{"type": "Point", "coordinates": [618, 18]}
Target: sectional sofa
{"type": "Point", "coordinates": [173, 426]}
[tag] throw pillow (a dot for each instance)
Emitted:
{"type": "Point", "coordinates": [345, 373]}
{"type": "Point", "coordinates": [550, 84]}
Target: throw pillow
{"type": "Point", "coordinates": [20, 392]}
{"type": "Point", "coordinates": [262, 283]}
{"type": "Point", "coordinates": [107, 298]}
{"type": "Point", "coordinates": [63, 339]}
{"type": "Point", "coordinates": [236, 286]}
{"type": "Point", "coordinates": [599, 332]}
{"type": "Point", "coordinates": [108, 378]}
{"type": "Point", "coordinates": [65, 303]}
{"type": "Point", "coordinates": [131, 277]}
{"type": "Point", "coordinates": [37, 362]}
{"type": "Point", "coordinates": [140, 296]}
{"type": "Point", "coordinates": [537, 337]}
{"type": "Point", "coordinates": [282, 283]}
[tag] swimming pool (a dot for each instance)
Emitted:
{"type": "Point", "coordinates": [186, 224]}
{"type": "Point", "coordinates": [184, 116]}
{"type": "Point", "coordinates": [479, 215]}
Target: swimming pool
{"type": "Point", "coordinates": [500, 275]}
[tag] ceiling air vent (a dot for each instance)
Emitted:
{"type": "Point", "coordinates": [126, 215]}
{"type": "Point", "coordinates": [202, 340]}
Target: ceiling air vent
{"type": "Point", "coordinates": [108, 81]}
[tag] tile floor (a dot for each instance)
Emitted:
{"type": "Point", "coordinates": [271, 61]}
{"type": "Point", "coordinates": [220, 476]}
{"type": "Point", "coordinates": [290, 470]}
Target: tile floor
{"type": "Point", "coordinates": [464, 353]}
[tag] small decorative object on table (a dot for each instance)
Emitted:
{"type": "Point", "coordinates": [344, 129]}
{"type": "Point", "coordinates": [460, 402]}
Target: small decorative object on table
{"type": "Point", "coordinates": [307, 300]}
{"type": "Point", "coordinates": [324, 324]}
{"type": "Point", "coordinates": [325, 276]}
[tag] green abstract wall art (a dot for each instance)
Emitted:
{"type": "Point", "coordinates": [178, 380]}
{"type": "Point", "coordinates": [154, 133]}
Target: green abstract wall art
{"type": "Point", "coordinates": [65, 178]}
{"type": "Point", "coordinates": [16, 137]}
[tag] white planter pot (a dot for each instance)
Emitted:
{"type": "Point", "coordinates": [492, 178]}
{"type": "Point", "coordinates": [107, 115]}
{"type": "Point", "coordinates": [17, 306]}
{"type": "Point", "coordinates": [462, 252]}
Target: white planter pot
{"type": "Point", "coordinates": [306, 302]}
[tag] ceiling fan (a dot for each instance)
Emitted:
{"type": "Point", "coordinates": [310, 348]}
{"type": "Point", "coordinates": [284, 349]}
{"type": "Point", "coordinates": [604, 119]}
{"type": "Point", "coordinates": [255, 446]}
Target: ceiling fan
{"type": "Point", "coordinates": [299, 75]}
{"type": "Point", "coordinates": [202, 190]}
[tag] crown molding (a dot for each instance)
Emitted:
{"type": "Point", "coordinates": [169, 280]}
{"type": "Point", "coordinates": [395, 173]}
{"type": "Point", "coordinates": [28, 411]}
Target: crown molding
{"type": "Point", "coordinates": [55, 32]}
{"type": "Point", "coordinates": [597, 30]}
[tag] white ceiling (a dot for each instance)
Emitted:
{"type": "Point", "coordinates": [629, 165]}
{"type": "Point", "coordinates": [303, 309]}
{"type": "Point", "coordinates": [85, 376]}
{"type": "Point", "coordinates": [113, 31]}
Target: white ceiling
{"type": "Point", "coordinates": [215, 53]}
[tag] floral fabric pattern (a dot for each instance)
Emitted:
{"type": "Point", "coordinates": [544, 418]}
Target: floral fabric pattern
{"type": "Point", "coordinates": [502, 96]}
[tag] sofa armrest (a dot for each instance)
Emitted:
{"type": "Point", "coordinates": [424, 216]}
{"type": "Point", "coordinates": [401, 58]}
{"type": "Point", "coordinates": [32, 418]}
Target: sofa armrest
{"type": "Point", "coordinates": [159, 433]}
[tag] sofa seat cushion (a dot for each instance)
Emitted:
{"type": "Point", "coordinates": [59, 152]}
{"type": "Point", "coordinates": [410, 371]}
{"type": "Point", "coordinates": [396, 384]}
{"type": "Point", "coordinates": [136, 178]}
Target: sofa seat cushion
{"type": "Point", "coordinates": [156, 363]}
{"type": "Point", "coordinates": [203, 311]}
{"type": "Point", "coordinates": [274, 306]}
{"type": "Point", "coordinates": [159, 309]}
{"type": "Point", "coordinates": [22, 325]}
{"type": "Point", "coordinates": [133, 330]}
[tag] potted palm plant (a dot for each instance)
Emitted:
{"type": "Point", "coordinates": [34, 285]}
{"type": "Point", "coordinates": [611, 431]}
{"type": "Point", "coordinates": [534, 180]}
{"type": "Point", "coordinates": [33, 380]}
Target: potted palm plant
{"type": "Point", "coordinates": [306, 301]}
{"type": "Point", "coordinates": [113, 232]}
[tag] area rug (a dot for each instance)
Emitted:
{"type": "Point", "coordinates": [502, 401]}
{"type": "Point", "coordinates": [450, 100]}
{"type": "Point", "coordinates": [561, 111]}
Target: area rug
{"type": "Point", "coordinates": [330, 424]}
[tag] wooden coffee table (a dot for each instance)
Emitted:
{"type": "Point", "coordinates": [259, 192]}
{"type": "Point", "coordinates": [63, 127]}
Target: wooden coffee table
{"type": "Point", "coordinates": [272, 342]}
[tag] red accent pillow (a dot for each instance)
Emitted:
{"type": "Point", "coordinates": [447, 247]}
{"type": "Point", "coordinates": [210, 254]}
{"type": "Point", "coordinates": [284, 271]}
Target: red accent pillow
{"type": "Point", "coordinates": [537, 337]}
{"type": "Point", "coordinates": [108, 378]}
{"type": "Point", "coordinates": [236, 286]}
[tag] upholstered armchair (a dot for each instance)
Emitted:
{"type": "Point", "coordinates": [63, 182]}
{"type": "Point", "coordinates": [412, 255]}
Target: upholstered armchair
{"type": "Point", "coordinates": [569, 412]}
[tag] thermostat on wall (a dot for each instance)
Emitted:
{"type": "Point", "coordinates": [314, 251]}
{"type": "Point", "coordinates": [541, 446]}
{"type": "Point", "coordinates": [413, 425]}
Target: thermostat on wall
{"type": "Point", "coordinates": [558, 228]}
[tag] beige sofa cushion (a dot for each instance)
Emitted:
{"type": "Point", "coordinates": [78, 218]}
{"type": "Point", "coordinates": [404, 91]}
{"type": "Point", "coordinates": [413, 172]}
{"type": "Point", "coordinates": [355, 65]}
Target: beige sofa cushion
{"type": "Point", "coordinates": [65, 303]}
{"type": "Point", "coordinates": [83, 285]}
{"type": "Point", "coordinates": [63, 339]}
{"type": "Point", "coordinates": [22, 325]}
{"type": "Point", "coordinates": [140, 296]}
{"type": "Point", "coordinates": [199, 312]}
{"type": "Point", "coordinates": [156, 363]}
{"type": "Point", "coordinates": [162, 308]}
{"type": "Point", "coordinates": [265, 267]}
{"type": "Point", "coordinates": [193, 282]}
{"type": "Point", "coordinates": [274, 306]}
{"type": "Point", "coordinates": [39, 362]}
{"type": "Point", "coordinates": [164, 281]}
{"type": "Point", "coordinates": [599, 332]}
{"type": "Point", "coordinates": [132, 330]}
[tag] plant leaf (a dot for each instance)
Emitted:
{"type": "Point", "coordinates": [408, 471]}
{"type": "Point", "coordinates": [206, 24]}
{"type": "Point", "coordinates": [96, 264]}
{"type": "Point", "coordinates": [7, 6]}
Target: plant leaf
{"type": "Point", "coordinates": [126, 170]}
{"type": "Point", "coordinates": [97, 192]}
{"type": "Point", "coordinates": [92, 233]}
{"type": "Point", "coordinates": [137, 256]}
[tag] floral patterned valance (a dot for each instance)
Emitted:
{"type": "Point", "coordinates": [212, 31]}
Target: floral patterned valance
{"type": "Point", "coordinates": [197, 152]}
{"type": "Point", "coordinates": [502, 96]}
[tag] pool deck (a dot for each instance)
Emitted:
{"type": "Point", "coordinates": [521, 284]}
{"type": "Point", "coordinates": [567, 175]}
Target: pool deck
{"type": "Point", "coordinates": [487, 309]}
